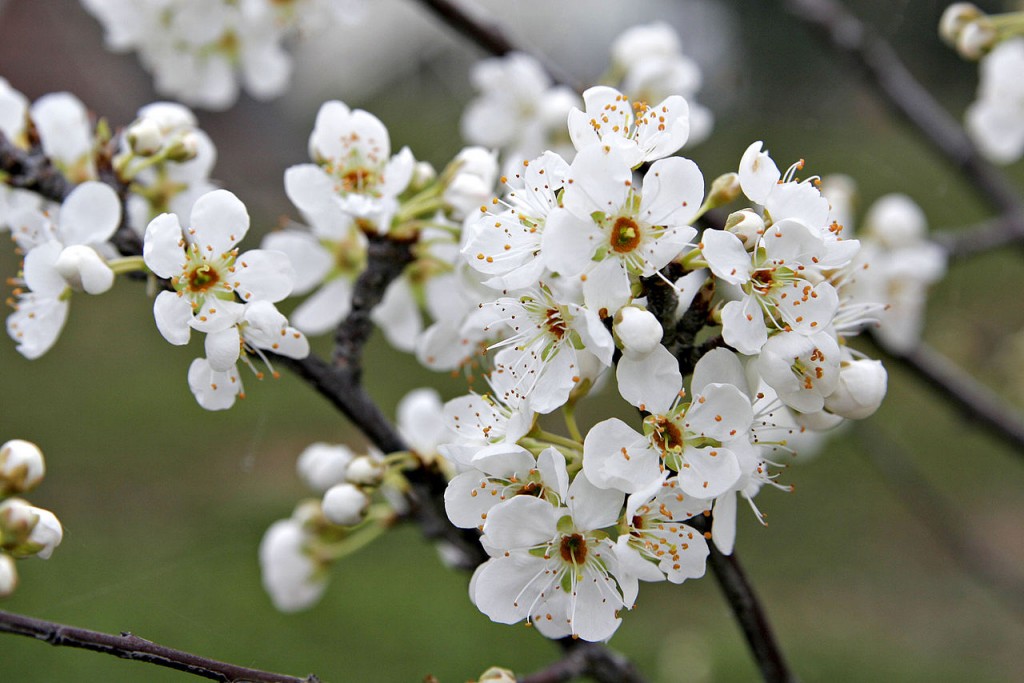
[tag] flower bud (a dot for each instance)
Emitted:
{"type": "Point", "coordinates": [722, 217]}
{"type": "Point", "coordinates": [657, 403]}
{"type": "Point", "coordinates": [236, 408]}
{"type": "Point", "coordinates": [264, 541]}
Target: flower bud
{"type": "Point", "coordinates": [185, 148]}
{"type": "Point", "coordinates": [291, 577]}
{"type": "Point", "coordinates": [955, 18]}
{"type": "Point", "coordinates": [21, 466]}
{"type": "Point", "coordinates": [976, 39]}
{"type": "Point", "coordinates": [724, 189]}
{"type": "Point", "coordinates": [344, 504]}
{"type": "Point", "coordinates": [8, 575]}
{"type": "Point", "coordinates": [862, 385]}
{"type": "Point", "coordinates": [26, 530]}
{"type": "Point", "coordinates": [497, 674]}
{"type": "Point", "coordinates": [144, 137]}
{"type": "Point", "coordinates": [84, 269]}
{"type": "Point", "coordinates": [423, 173]}
{"type": "Point", "coordinates": [637, 329]}
{"type": "Point", "coordinates": [322, 465]}
{"type": "Point", "coordinates": [647, 40]}
{"type": "Point", "coordinates": [365, 470]}
{"type": "Point", "coordinates": [472, 183]}
{"type": "Point", "coordinates": [746, 225]}
{"type": "Point", "coordinates": [896, 221]}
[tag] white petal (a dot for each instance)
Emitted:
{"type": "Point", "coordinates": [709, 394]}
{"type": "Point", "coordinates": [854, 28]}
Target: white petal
{"type": "Point", "coordinates": [322, 312]}
{"type": "Point", "coordinates": [220, 221]}
{"type": "Point", "coordinates": [223, 348]}
{"type": "Point", "coordinates": [310, 260]}
{"type": "Point", "coordinates": [758, 173]}
{"type": "Point", "coordinates": [615, 456]}
{"type": "Point", "coordinates": [162, 248]}
{"type": "Point", "coordinates": [90, 214]}
{"type": "Point", "coordinates": [522, 522]}
{"type": "Point", "coordinates": [173, 314]}
{"type": "Point", "coordinates": [264, 275]}
{"type": "Point", "coordinates": [650, 381]}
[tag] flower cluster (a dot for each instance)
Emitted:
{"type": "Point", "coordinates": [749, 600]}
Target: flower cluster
{"type": "Point", "coordinates": [522, 113]}
{"type": "Point", "coordinates": [995, 120]}
{"type": "Point", "coordinates": [25, 530]}
{"type": "Point", "coordinates": [198, 50]}
{"type": "Point", "coordinates": [588, 267]}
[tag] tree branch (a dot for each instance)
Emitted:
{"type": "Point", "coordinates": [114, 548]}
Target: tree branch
{"type": "Point", "coordinates": [941, 519]}
{"type": "Point", "coordinates": [961, 389]}
{"type": "Point", "coordinates": [128, 646]}
{"type": "Point", "coordinates": [750, 614]}
{"type": "Point", "coordinates": [986, 236]}
{"type": "Point", "coordinates": [892, 80]}
{"type": "Point", "coordinates": [586, 659]}
{"type": "Point", "coordinates": [32, 170]}
{"type": "Point", "coordinates": [488, 35]}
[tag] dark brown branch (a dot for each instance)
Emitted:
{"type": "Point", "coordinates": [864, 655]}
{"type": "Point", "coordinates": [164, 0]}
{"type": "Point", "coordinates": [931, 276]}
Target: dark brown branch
{"type": "Point", "coordinates": [942, 519]}
{"type": "Point", "coordinates": [978, 402]}
{"type": "Point", "coordinates": [586, 659]}
{"type": "Point", "coordinates": [487, 34]}
{"type": "Point", "coordinates": [982, 238]}
{"type": "Point", "coordinates": [128, 646]}
{"type": "Point", "coordinates": [748, 610]}
{"type": "Point", "coordinates": [386, 259]}
{"type": "Point", "coordinates": [32, 171]}
{"type": "Point", "coordinates": [890, 77]}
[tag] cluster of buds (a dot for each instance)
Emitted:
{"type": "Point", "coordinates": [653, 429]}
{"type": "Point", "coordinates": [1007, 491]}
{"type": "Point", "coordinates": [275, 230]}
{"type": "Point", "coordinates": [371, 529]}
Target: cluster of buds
{"type": "Point", "coordinates": [296, 553]}
{"type": "Point", "coordinates": [25, 530]}
{"type": "Point", "coordinates": [973, 33]}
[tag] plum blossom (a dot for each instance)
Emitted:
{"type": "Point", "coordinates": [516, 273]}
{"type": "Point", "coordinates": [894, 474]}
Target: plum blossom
{"type": "Point", "coordinates": [639, 132]}
{"type": "Point", "coordinates": [553, 566]}
{"type": "Point", "coordinates": [608, 232]}
{"type": "Point", "coordinates": [206, 270]}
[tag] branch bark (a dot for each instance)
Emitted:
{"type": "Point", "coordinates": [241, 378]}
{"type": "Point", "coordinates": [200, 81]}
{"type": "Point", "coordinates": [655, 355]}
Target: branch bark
{"type": "Point", "coordinates": [977, 401]}
{"type": "Point", "coordinates": [488, 35]}
{"type": "Point", "coordinates": [885, 71]}
{"type": "Point", "coordinates": [984, 237]}
{"type": "Point", "coordinates": [128, 646]}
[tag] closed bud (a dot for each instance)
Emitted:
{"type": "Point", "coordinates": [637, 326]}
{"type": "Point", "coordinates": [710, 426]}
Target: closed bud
{"type": "Point", "coordinates": [185, 148]}
{"type": "Point", "coordinates": [746, 225]}
{"type": "Point", "coordinates": [637, 329]}
{"type": "Point", "coordinates": [26, 530]}
{"type": "Point", "coordinates": [724, 189]}
{"type": "Point", "coordinates": [896, 221]}
{"type": "Point", "coordinates": [955, 18]}
{"type": "Point", "coordinates": [345, 504]}
{"type": "Point", "coordinates": [976, 39]}
{"type": "Point", "coordinates": [84, 269]}
{"type": "Point", "coordinates": [474, 171]}
{"type": "Point", "coordinates": [862, 385]}
{"type": "Point", "coordinates": [8, 575]}
{"type": "Point", "coordinates": [497, 674]}
{"type": "Point", "coordinates": [323, 465]}
{"type": "Point", "coordinates": [423, 173]}
{"type": "Point", "coordinates": [21, 467]}
{"type": "Point", "coordinates": [365, 470]}
{"type": "Point", "coordinates": [145, 137]}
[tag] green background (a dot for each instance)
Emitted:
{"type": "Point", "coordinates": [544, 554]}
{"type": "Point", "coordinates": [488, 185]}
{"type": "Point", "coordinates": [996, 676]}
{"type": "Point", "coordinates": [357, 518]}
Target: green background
{"type": "Point", "coordinates": [164, 504]}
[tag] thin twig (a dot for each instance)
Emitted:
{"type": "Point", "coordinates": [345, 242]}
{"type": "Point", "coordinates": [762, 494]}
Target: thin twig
{"type": "Point", "coordinates": [978, 402]}
{"type": "Point", "coordinates": [487, 34]}
{"type": "Point", "coordinates": [943, 520]}
{"type": "Point", "coordinates": [982, 238]}
{"type": "Point", "coordinates": [894, 82]}
{"type": "Point", "coordinates": [128, 646]}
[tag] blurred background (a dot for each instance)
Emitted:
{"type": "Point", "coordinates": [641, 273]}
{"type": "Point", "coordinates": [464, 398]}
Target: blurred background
{"type": "Point", "coordinates": [164, 503]}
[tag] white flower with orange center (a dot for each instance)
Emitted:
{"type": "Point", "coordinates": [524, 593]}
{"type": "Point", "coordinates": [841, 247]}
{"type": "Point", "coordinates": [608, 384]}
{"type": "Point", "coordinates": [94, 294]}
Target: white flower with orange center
{"type": "Point", "coordinates": [205, 268]}
{"type": "Point", "coordinates": [554, 566]}
{"type": "Point", "coordinates": [639, 131]}
{"type": "Point", "coordinates": [609, 234]}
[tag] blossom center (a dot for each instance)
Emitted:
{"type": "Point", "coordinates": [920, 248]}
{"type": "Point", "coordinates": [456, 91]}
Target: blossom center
{"type": "Point", "coordinates": [202, 278]}
{"type": "Point", "coordinates": [574, 549]}
{"type": "Point", "coordinates": [555, 324]}
{"type": "Point", "coordinates": [667, 436]}
{"type": "Point", "coordinates": [625, 235]}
